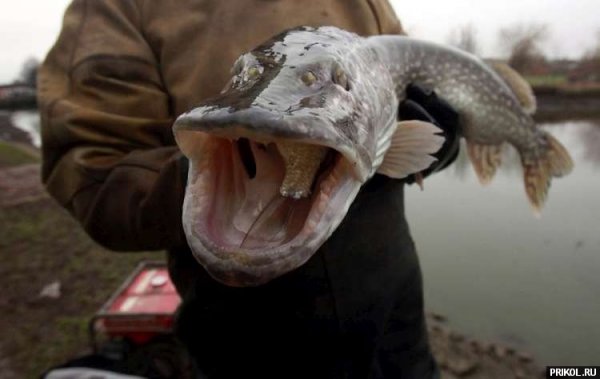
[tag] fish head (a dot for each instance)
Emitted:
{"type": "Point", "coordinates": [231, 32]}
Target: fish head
{"type": "Point", "coordinates": [277, 158]}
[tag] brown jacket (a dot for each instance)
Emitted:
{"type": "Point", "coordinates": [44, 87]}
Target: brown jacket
{"type": "Point", "coordinates": [119, 74]}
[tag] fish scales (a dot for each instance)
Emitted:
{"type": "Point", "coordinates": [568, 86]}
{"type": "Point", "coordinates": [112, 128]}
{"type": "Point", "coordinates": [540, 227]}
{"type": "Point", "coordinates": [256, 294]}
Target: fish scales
{"type": "Point", "coordinates": [489, 110]}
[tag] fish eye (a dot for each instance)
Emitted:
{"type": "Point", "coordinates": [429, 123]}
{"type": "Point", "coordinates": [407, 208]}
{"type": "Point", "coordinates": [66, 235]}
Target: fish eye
{"type": "Point", "coordinates": [309, 78]}
{"type": "Point", "coordinates": [253, 72]}
{"type": "Point", "coordinates": [340, 78]}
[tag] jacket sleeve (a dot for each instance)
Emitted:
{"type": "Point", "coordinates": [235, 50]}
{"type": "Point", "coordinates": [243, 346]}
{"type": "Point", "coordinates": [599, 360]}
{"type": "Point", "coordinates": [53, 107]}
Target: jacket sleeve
{"type": "Point", "coordinates": [108, 151]}
{"type": "Point", "coordinates": [385, 16]}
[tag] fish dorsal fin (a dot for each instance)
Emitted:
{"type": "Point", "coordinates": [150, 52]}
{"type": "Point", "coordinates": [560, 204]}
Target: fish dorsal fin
{"type": "Point", "coordinates": [410, 149]}
{"type": "Point", "coordinates": [517, 84]}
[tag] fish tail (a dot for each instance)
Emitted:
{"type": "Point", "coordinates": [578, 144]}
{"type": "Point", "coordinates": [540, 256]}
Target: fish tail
{"type": "Point", "coordinates": [558, 158]}
{"type": "Point", "coordinates": [538, 170]}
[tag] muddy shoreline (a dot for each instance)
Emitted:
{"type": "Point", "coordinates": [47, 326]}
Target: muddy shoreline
{"type": "Point", "coordinates": [460, 356]}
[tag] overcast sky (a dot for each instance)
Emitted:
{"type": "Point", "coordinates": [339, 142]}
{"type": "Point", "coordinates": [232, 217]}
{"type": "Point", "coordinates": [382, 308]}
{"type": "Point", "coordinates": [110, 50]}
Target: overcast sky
{"type": "Point", "coordinates": [29, 27]}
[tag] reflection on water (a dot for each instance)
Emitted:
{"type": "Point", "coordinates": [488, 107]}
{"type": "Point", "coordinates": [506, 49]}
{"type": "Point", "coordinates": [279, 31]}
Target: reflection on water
{"type": "Point", "coordinates": [500, 273]}
{"type": "Point", "coordinates": [590, 140]}
{"type": "Point", "coordinates": [29, 122]}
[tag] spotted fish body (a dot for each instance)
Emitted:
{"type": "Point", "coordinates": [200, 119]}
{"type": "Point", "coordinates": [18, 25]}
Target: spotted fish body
{"type": "Point", "coordinates": [495, 107]}
{"type": "Point", "coordinates": [309, 116]}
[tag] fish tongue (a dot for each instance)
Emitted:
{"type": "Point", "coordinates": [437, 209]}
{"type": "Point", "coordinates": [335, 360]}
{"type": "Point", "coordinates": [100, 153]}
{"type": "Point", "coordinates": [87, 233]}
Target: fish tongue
{"type": "Point", "coordinates": [302, 162]}
{"type": "Point", "coordinates": [275, 223]}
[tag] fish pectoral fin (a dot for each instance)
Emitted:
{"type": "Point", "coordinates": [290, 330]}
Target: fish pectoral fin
{"type": "Point", "coordinates": [419, 180]}
{"type": "Point", "coordinates": [411, 149]}
{"type": "Point", "coordinates": [485, 160]}
{"type": "Point", "coordinates": [519, 86]}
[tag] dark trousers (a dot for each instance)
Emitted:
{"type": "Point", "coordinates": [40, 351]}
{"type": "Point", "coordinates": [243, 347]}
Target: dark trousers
{"type": "Point", "coordinates": [354, 310]}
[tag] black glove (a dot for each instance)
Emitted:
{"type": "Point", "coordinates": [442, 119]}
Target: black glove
{"type": "Point", "coordinates": [424, 105]}
{"type": "Point", "coordinates": [184, 167]}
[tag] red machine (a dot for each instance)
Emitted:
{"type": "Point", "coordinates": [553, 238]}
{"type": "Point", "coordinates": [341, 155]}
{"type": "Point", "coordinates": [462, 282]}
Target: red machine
{"type": "Point", "coordinates": [135, 324]}
{"type": "Point", "coordinates": [142, 308]}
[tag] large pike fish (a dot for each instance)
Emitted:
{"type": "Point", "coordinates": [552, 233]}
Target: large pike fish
{"type": "Point", "coordinates": [309, 116]}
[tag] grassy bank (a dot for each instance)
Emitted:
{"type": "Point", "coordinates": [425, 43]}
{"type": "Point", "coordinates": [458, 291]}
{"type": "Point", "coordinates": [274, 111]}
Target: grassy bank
{"type": "Point", "coordinates": [39, 244]}
{"type": "Point", "coordinates": [13, 155]}
{"type": "Point", "coordinates": [559, 84]}
{"type": "Point", "coordinates": [546, 80]}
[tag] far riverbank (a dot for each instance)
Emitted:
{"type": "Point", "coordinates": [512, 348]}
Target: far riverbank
{"type": "Point", "coordinates": [562, 103]}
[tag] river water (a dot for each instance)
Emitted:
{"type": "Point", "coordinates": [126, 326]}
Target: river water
{"type": "Point", "coordinates": [496, 271]}
{"type": "Point", "coordinates": [499, 273]}
{"type": "Point", "coordinates": [29, 122]}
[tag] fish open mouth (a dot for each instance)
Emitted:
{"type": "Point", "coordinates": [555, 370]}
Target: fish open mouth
{"type": "Point", "coordinates": [247, 216]}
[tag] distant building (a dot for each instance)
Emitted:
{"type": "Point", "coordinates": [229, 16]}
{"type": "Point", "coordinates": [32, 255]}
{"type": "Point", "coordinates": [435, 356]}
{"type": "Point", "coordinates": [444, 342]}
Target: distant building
{"type": "Point", "coordinates": [562, 66]}
{"type": "Point", "coordinates": [586, 71]}
{"type": "Point", "coordinates": [17, 96]}
{"type": "Point", "coordinates": [537, 66]}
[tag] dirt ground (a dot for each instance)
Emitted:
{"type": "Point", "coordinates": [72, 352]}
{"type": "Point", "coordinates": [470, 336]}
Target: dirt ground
{"type": "Point", "coordinates": [40, 244]}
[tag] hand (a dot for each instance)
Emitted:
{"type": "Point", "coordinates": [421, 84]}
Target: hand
{"type": "Point", "coordinates": [425, 105]}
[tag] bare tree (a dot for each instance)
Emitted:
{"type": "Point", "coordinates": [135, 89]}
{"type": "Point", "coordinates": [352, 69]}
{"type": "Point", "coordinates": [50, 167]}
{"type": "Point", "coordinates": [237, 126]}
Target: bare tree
{"type": "Point", "coordinates": [465, 37]}
{"type": "Point", "coordinates": [588, 68]}
{"type": "Point", "coordinates": [595, 52]}
{"type": "Point", "coordinates": [28, 74]}
{"type": "Point", "coordinates": [523, 44]}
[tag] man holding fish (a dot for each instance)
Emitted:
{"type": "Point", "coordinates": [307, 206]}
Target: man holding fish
{"type": "Point", "coordinates": [294, 258]}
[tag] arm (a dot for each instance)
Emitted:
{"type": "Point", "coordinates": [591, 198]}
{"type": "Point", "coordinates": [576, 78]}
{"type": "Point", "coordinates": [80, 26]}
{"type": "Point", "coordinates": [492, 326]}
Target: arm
{"type": "Point", "coordinates": [108, 153]}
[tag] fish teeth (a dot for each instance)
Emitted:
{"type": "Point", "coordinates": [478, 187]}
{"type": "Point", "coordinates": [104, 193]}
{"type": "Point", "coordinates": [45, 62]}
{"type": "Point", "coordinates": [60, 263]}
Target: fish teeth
{"type": "Point", "coordinates": [293, 194]}
{"type": "Point", "coordinates": [326, 186]}
{"type": "Point", "coordinates": [312, 224]}
{"type": "Point", "coordinates": [323, 203]}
